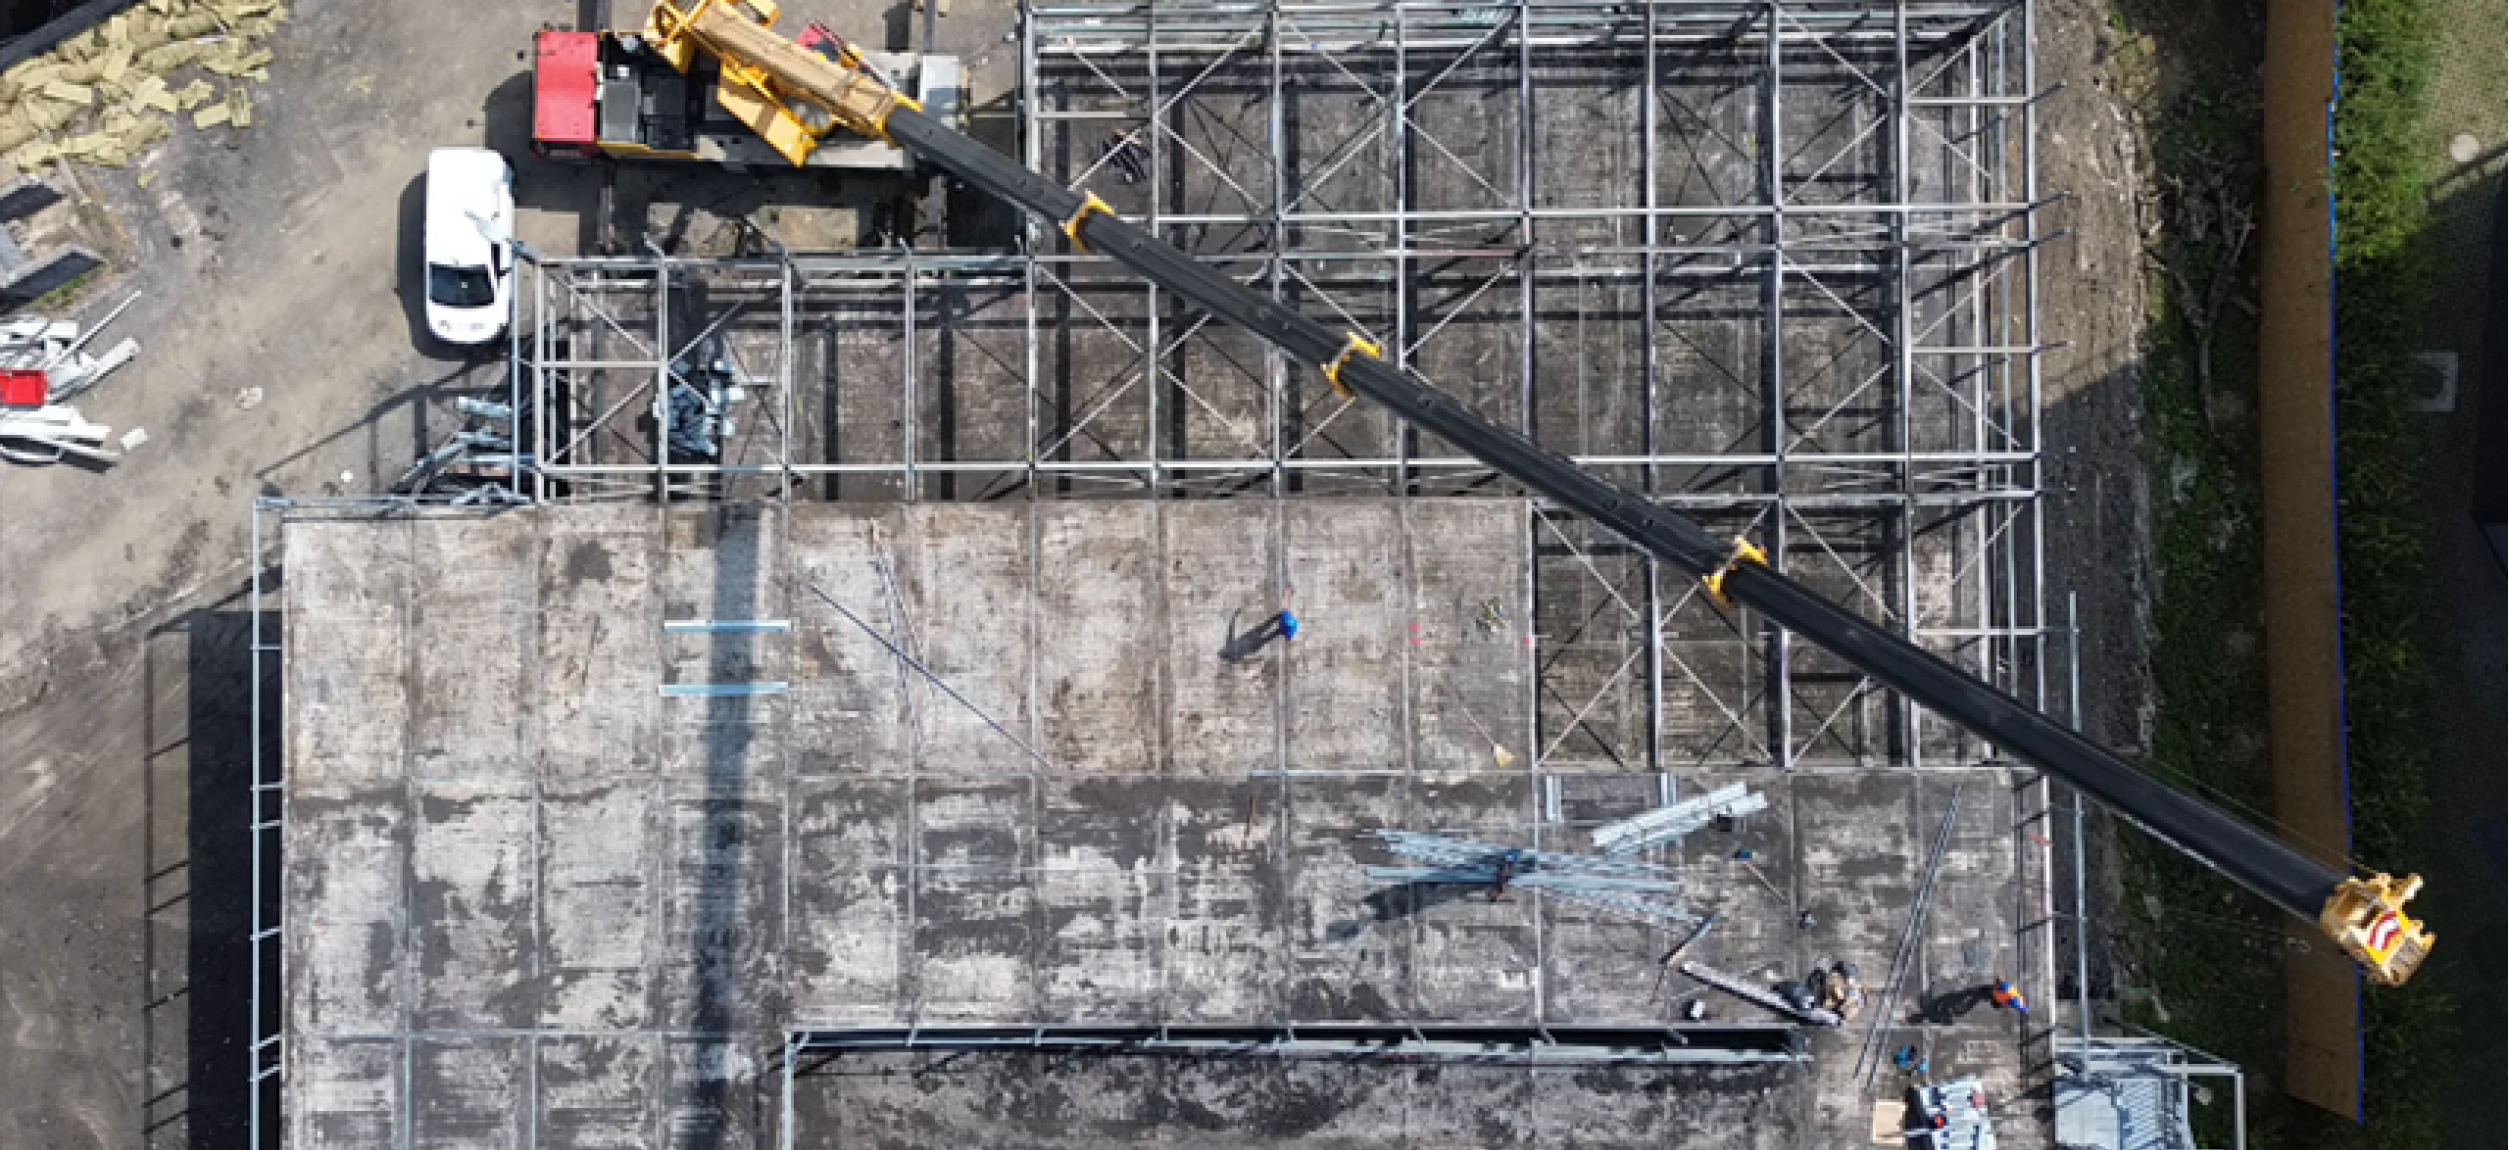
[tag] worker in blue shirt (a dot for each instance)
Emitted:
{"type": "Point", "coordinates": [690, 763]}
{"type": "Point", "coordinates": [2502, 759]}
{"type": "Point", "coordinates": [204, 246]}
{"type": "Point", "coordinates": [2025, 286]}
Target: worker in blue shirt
{"type": "Point", "coordinates": [1911, 1063]}
{"type": "Point", "coordinates": [1283, 626]}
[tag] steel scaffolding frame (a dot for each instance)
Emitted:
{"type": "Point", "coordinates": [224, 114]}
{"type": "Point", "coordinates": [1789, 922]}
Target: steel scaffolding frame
{"type": "Point", "coordinates": [1802, 304]}
{"type": "Point", "coordinates": [1770, 262]}
{"type": "Point", "coordinates": [1796, 244]}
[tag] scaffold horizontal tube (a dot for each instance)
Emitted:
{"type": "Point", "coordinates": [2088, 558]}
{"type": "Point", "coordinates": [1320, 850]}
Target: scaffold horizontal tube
{"type": "Point", "coordinates": [1389, 1042]}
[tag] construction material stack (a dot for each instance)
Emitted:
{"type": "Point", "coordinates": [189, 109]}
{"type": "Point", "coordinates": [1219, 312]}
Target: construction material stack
{"type": "Point", "coordinates": [1951, 1116]}
{"type": "Point", "coordinates": [44, 364]}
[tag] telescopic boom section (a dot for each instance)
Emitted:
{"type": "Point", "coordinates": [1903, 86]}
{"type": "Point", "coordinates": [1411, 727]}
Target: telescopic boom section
{"type": "Point", "coordinates": [787, 94]}
{"type": "Point", "coordinates": [2364, 915]}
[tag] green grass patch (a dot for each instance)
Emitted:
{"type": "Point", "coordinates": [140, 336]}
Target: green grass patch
{"type": "Point", "coordinates": [2383, 264]}
{"type": "Point", "coordinates": [2200, 958]}
{"type": "Point", "coordinates": [2207, 971]}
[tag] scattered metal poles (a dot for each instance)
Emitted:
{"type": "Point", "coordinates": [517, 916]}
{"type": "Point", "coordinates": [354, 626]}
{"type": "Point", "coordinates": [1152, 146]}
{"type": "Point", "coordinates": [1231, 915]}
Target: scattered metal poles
{"type": "Point", "coordinates": [1605, 884]}
{"type": "Point", "coordinates": [1663, 824]}
{"type": "Point", "coordinates": [1868, 1059]}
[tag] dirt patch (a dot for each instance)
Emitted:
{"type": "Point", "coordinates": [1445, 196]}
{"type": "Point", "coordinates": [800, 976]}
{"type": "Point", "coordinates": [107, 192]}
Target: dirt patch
{"type": "Point", "coordinates": [2097, 504]}
{"type": "Point", "coordinates": [269, 260]}
{"type": "Point", "coordinates": [2093, 149]}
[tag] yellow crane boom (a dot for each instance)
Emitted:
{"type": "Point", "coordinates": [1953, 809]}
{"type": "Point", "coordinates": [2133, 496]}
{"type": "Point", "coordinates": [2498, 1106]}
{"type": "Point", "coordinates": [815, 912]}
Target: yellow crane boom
{"type": "Point", "coordinates": [787, 94]}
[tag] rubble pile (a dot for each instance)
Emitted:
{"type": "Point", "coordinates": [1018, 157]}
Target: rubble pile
{"type": "Point", "coordinates": [107, 94]}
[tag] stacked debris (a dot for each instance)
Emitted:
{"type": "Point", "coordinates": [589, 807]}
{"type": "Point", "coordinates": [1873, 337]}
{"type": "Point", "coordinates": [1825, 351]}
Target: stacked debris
{"type": "Point", "coordinates": [477, 463]}
{"type": "Point", "coordinates": [56, 348]}
{"type": "Point", "coordinates": [51, 434]}
{"type": "Point", "coordinates": [1624, 888]}
{"type": "Point", "coordinates": [107, 94]}
{"type": "Point", "coordinates": [43, 365]}
{"type": "Point", "coordinates": [1664, 824]}
{"type": "Point", "coordinates": [1951, 1116]}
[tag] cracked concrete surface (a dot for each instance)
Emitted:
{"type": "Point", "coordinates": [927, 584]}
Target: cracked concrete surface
{"type": "Point", "coordinates": [681, 881]}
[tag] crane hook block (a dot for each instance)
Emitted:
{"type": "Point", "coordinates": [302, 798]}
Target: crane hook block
{"type": "Point", "coordinates": [1743, 549]}
{"type": "Point", "coordinates": [2365, 916]}
{"type": "Point", "coordinates": [1356, 346]}
{"type": "Point", "coordinates": [1071, 227]}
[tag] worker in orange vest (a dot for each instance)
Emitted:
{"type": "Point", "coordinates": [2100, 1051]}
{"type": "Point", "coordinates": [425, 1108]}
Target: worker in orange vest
{"type": "Point", "coordinates": [2008, 997]}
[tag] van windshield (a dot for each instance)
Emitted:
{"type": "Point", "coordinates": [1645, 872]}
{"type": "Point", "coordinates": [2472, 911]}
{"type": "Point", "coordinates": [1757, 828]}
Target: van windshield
{"type": "Point", "coordinates": [460, 287]}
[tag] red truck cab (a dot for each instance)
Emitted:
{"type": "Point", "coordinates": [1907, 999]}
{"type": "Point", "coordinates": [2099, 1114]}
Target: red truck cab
{"type": "Point", "coordinates": [566, 81]}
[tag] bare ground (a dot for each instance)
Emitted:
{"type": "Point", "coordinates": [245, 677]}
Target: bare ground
{"type": "Point", "coordinates": [279, 258]}
{"type": "Point", "coordinates": [2092, 148]}
{"type": "Point", "coordinates": [2098, 507]}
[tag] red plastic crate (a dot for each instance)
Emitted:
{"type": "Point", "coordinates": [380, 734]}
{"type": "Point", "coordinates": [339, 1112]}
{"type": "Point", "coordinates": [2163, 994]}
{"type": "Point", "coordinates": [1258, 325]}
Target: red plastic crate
{"type": "Point", "coordinates": [23, 387]}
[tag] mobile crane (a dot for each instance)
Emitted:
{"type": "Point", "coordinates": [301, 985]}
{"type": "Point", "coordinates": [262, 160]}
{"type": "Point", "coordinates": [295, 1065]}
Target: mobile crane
{"type": "Point", "coordinates": [794, 98]}
{"type": "Point", "coordinates": [602, 94]}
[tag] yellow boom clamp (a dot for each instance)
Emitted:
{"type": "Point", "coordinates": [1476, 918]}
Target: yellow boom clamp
{"type": "Point", "coordinates": [1071, 227]}
{"type": "Point", "coordinates": [1356, 346]}
{"type": "Point", "coordinates": [2366, 917]}
{"type": "Point", "coordinates": [1743, 549]}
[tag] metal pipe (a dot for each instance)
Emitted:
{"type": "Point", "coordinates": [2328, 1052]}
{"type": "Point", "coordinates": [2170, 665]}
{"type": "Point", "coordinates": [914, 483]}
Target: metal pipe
{"type": "Point", "coordinates": [1396, 1041]}
{"type": "Point", "coordinates": [1773, 422]}
{"type": "Point", "coordinates": [1650, 98]}
{"type": "Point", "coordinates": [1506, 215]}
{"type": "Point", "coordinates": [913, 421]}
{"type": "Point", "coordinates": [1846, 467]}
{"type": "Point", "coordinates": [2238, 1110]}
{"type": "Point", "coordinates": [1150, 355]}
{"type": "Point", "coordinates": [2081, 883]}
{"type": "Point", "coordinates": [252, 843]}
{"type": "Point", "coordinates": [1903, 364]}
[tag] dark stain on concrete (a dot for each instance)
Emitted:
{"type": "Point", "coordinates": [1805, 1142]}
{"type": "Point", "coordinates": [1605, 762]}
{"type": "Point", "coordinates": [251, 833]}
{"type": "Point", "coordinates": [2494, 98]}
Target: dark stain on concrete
{"type": "Point", "coordinates": [587, 561]}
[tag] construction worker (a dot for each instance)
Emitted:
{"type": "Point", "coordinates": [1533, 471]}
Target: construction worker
{"type": "Point", "coordinates": [1507, 865]}
{"type": "Point", "coordinates": [1283, 626]}
{"type": "Point", "coordinates": [2008, 997]}
{"type": "Point", "coordinates": [1842, 991]}
{"type": "Point", "coordinates": [1911, 1063]}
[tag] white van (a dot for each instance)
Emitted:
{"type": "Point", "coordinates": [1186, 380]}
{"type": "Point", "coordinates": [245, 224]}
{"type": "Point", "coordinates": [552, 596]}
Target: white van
{"type": "Point", "coordinates": [469, 243]}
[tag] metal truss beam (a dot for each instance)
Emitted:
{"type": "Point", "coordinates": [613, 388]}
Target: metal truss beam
{"type": "Point", "coordinates": [1803, 288]}
{"type": "Point", "coordinates": [1562, 1046]}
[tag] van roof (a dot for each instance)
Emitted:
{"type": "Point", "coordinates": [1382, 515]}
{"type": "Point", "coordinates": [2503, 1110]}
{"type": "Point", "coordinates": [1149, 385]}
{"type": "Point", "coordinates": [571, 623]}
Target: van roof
{"type": "Point", "coordinates": [461, 183]}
